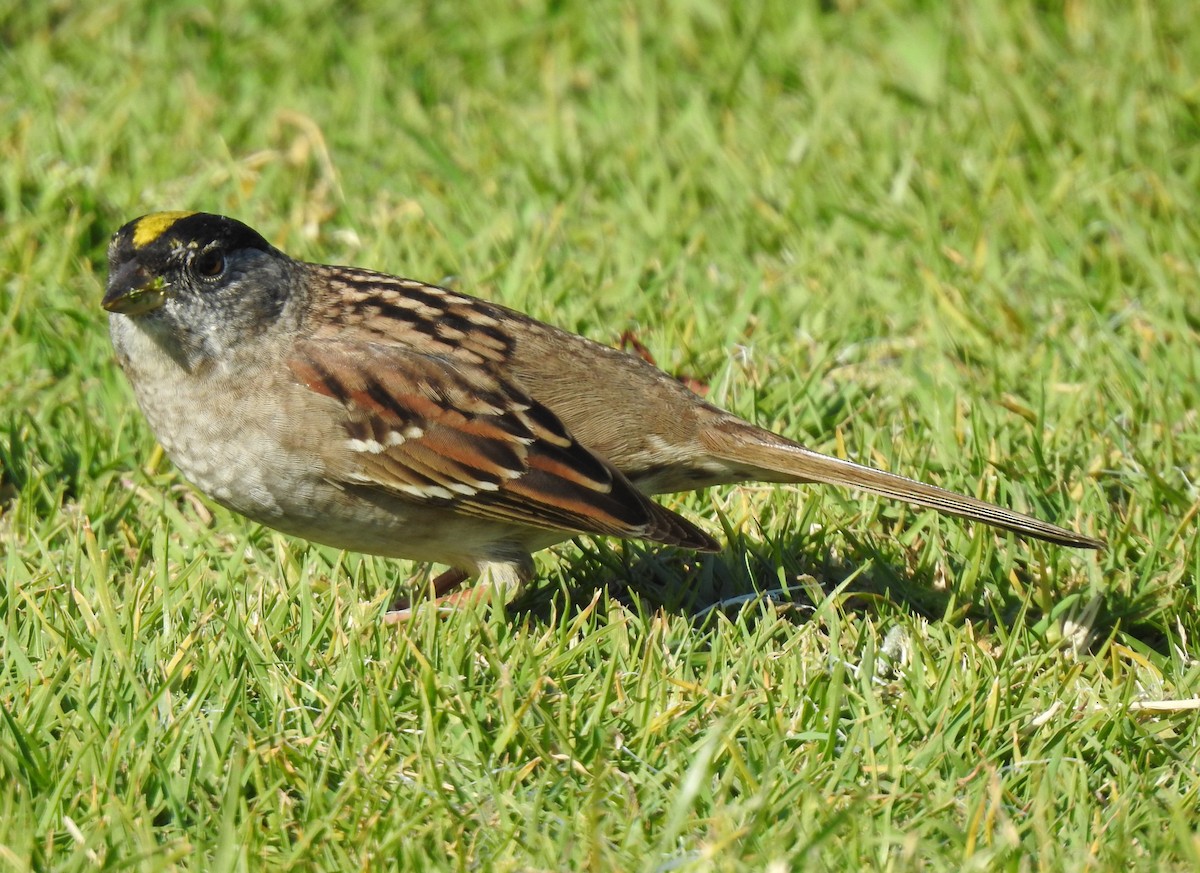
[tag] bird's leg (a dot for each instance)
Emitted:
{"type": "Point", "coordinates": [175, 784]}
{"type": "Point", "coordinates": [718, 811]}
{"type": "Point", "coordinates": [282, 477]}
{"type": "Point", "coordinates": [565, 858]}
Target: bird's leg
{"type": "Point", "coordinates": [497, 577]}
{"type": "Point", "coordinates": [443, 585]}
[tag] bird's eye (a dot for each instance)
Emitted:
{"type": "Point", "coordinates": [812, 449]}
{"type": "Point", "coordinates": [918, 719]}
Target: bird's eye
{"type": "Point", "coordinates": [209, 264]}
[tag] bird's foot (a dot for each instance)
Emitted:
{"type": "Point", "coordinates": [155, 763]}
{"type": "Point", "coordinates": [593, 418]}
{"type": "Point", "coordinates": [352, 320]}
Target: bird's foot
{"type": "Point", "coordinates": [497, 578]}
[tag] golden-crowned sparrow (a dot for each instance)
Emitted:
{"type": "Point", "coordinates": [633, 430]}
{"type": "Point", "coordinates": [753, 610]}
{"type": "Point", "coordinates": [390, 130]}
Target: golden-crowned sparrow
{"type": "Point", "coordinates": [388, 416]}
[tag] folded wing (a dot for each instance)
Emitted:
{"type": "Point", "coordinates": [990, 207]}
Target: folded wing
{"type": "Point", "coordinates": [430, 429]}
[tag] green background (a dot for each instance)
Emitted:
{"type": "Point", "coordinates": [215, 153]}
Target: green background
{"type": "Point", "coordinates": [955, 240]}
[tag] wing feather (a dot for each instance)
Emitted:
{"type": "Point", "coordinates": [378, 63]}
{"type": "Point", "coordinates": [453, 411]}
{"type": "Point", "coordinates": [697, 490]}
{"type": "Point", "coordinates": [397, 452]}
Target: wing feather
{"type": "Point", "coordinates": [426, 428]}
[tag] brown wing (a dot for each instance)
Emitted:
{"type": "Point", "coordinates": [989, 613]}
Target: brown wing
{"type": "Point", "coordinates": [428, 429]}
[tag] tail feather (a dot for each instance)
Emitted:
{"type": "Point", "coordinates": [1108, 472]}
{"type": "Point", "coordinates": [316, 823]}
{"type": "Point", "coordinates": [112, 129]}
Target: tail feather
{"type": "Point", "coordinates": [774, 458]}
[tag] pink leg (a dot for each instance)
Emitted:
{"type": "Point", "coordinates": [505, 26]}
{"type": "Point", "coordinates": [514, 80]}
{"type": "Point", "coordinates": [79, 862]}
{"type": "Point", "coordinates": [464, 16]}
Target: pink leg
{"type": "Point", "coordinates": [443, 594]}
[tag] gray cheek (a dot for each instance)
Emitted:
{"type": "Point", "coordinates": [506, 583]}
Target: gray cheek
{"type": "Point", "coordinates": [252, 301]}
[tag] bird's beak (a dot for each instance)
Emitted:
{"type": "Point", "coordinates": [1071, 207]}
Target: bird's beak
{"type": "Point", "coordinates": [133, 291]}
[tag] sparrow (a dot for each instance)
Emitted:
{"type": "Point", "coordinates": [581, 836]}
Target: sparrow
{"type": "Point", "coordinates": [390, 416]}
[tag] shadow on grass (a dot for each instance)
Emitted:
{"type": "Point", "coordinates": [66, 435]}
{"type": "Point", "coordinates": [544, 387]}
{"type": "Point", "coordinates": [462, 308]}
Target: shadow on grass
{"type": "Point", "coordinates": [804, 571]}
{"type": "Point", "coordinates": [800, 571]}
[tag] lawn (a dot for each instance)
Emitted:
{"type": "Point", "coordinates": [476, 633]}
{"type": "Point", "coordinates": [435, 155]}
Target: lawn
{"type": "Point", "coordinates": [960, 241]}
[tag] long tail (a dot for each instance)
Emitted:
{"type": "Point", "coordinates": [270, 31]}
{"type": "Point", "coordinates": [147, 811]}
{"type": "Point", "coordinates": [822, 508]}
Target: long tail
{"type": "Point", "coordinates": [774, 458]}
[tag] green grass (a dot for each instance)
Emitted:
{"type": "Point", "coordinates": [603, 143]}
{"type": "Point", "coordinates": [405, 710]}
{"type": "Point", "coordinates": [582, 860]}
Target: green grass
{"type": "Point", "coordinates": [956, 240]}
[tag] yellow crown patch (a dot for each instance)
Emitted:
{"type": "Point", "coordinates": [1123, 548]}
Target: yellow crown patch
{"type": "Point", "coordinates": [151, 227]}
